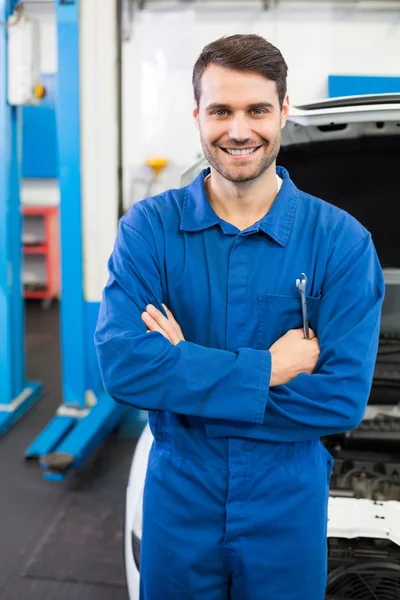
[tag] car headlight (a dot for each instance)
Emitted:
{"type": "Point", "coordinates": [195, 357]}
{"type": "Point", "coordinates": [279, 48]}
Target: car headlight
{"type": "Point", "coordinates": [136, 550]}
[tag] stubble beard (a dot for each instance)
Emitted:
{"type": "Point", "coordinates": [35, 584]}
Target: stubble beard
{"type": "Point", "coordinates": [248, 175]}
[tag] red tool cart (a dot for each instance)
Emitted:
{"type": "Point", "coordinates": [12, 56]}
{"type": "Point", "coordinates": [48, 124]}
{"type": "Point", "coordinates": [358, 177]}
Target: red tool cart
{"type": "Point", "coordinates": [41, 265]}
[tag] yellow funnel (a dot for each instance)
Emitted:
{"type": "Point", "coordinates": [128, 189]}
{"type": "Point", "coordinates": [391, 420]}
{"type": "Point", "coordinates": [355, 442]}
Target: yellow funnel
{"type": "Point", "coordinates": [157, 164]}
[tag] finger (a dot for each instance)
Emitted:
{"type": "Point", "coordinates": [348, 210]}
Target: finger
{"type": "Point", "coordinates": [169, 313]}
{"type": "Point", "coordinates": [166, 325]}
{"type": "Point", "coordinates": [153, 325]}
{"type": "Point", "coordinates": [172, 318]}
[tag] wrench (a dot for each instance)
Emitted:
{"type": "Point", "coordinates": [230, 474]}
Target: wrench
{"type": "Point", "coordinates": [301, 286]}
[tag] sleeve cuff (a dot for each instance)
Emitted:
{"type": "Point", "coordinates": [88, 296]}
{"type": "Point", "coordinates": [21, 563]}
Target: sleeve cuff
{"type": "Point", "coordinates": [228, 428]}
{"type": "Point", "coordinates": [262, 399]}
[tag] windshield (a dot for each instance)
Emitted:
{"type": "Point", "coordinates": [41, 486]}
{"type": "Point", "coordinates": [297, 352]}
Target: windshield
{"type": "Point", "coordinates": [387, 368]}
{"type": "Point", "coordinates": [390, 322]}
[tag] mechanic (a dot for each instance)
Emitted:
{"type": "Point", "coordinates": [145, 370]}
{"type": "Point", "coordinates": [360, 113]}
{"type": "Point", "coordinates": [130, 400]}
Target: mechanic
{"type": "Point", "coordinates": [201, 325]}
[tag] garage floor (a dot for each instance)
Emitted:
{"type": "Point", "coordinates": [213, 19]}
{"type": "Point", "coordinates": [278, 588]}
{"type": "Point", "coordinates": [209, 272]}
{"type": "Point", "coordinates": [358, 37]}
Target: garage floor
{"type": "Point", "coordinates": [59, 540]}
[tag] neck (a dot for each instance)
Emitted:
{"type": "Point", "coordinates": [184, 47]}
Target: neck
{"type": "Point", "coordinates": [242, 204]}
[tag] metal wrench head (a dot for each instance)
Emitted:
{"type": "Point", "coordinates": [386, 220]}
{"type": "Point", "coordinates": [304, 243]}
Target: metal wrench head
{"type": "Point", "coordinates": [302, 284]}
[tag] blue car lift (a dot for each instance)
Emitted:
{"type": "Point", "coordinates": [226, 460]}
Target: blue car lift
{"type": "Point", "coordinates": [16, 394]}
{"type": "Point", "coordinates": [87, 414]}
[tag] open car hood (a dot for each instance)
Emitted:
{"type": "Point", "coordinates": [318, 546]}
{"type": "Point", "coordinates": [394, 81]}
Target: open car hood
{"type": "Point", "coordinates": [345, 117]}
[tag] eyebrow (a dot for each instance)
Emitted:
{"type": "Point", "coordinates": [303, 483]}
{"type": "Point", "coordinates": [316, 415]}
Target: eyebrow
{"type": "Point", "coordinates": [218, 106]}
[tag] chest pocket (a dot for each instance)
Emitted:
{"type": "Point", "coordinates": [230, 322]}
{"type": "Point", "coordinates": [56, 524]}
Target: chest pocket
{"type": "Point", "coordinates": [277, 314]}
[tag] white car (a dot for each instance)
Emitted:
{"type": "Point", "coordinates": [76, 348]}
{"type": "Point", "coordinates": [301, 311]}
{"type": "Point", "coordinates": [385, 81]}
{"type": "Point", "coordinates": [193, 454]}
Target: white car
{"type": "Point", "coordinates": [346, 151]}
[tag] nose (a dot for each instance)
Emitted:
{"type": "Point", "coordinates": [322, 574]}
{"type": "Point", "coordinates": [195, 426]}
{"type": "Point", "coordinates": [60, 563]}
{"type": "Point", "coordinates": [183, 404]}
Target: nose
{"type": "Point", "coordinates": [239, 128]}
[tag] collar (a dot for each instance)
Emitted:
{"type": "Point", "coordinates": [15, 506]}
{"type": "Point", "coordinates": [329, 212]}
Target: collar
{"type": "Point", "coordinates": [198, 214]}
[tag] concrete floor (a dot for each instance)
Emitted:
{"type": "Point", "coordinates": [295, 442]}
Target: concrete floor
{"type": "Point", "coordinates": [32, 509]}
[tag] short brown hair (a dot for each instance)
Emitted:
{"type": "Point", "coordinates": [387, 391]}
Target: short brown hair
{"type": "Point", "coordinates": [250, 53]}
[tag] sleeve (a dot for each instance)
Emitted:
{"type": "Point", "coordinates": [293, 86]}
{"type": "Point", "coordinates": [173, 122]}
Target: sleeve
{"type": "Point", "coordinates": [333, 398]}
{"type": "Point", "coordinates": [147, 371]}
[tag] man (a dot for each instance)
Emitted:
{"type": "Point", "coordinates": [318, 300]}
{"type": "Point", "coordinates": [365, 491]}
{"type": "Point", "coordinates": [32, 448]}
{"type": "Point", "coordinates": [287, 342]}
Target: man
{"type": "Point", "coordinates": [201, 324]}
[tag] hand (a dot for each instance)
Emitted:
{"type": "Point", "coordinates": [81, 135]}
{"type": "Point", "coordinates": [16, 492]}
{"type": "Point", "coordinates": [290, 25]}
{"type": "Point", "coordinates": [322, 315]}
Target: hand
{"type": "Point", "coordinates": [292, 354]}
{"type": "Point", "coordinates": [168, 327]}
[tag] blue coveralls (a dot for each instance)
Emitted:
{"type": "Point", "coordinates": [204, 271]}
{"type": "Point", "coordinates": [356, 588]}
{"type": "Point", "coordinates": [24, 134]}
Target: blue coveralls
{"type": "Point", "coordinates": [235, 502]}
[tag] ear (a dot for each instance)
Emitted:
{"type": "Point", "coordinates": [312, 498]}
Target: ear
{"type": "Point", "coordinates": [196, 115]}
{"type": "Point", "coordinates": [285, 111]}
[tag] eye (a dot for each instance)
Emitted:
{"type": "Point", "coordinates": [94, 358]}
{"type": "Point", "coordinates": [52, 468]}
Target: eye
{"type": "Point", "coordinates": [220, 113]}
{"type": "Point", "coordinates": [259, 111]}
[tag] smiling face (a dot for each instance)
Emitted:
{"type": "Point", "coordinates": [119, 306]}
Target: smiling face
{"type": "Point", "coordinates": [240, 122]}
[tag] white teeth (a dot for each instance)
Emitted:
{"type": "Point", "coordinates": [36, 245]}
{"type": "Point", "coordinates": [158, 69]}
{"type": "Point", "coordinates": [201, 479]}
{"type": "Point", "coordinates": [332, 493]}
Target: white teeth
{"type": "Point", "coordinates": [248, 151]}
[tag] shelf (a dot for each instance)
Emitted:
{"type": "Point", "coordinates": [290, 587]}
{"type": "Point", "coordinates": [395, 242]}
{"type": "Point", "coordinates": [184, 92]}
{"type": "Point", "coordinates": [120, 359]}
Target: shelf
{"type": "Point", "coordinates": [33, 249]}
{"type": "Point", "coordinates": [41, 256]}
{"type": "Point", "coordinates": [40, 211]}
{"type": "Point", "coordinates": [38, 294]}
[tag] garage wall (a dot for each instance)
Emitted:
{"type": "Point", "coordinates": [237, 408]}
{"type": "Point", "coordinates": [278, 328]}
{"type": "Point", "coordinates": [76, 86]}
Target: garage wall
{"type": "Point", "coordinates": [317, 39]}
